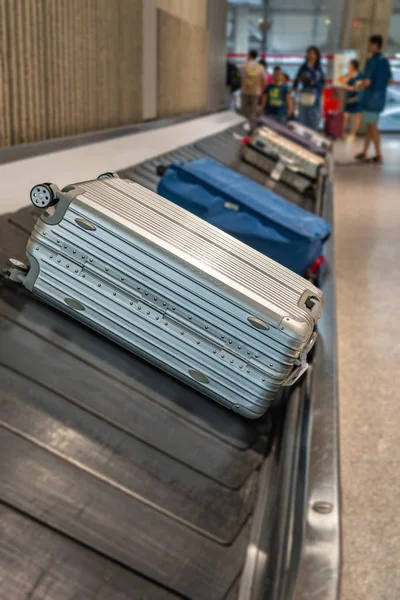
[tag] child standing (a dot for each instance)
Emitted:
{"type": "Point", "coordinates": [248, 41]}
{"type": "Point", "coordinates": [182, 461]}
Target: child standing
{"type": "Point", "coordinates": [353, 106]}
{"type": "Point", "coordinates": [277, 101]}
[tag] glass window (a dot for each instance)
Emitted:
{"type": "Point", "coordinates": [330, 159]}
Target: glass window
{"type": "Point", "coordinates": [291, 25]}
{"type": "Point", "coordinates": [281, 30]}
{"type": "Point", "coordinates": [390, 118]}
{"type": "Point", "coordinates": [393, 43]}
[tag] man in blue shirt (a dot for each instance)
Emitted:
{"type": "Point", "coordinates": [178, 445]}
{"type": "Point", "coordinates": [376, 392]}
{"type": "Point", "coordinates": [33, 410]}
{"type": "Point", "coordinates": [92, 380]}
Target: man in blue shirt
{"type": "Point", "coordinates": [377, 77]}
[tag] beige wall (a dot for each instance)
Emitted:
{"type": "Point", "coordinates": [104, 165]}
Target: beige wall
{"type": "Point", "coordinates": [68, 66]}
{"type": "Point", "coordinates": [73, 66]}
{"type": "Point", "coordinates": [216, 19]}
{"type": "Point", "coordinates": [191, 11]}
{"type": "Point", "coordinates": [191, 56]}
{"type": "Point", "coordinates": [182, 66]}
{"type": "Point", "coordinates": [374, 18]}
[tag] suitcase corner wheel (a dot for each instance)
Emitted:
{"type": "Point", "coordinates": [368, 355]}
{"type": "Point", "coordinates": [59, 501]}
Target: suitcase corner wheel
{"type": "Point", "coordinates": [161, 169]}
{"type": "Point", "coordinates": [44, 195]}
{"type": "Point", "coordinates": [17, 271]}
{"type": "Point", "coordinates": [108, 175]}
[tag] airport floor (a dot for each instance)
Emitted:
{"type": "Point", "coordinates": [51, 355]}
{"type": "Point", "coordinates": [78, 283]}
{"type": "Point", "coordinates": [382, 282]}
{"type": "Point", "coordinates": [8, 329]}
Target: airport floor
{"type": "Point", "coordinates": [367, 242]}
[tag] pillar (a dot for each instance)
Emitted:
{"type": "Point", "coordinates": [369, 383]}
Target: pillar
{"type": "Point", "coordinates": [216, 22]}
{"type": "Point", "coordinates": [149, 60]}
{"type": "Point", "coordinates": [336, 17]}
{"type": "Point", "coordinates": [364, 18]}
{"type": "Point", "coordinates": [242, 29]}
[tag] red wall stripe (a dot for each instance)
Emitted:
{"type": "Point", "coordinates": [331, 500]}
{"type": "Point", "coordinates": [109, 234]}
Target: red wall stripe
{"type": "Point", "coordinates": [243, 55]}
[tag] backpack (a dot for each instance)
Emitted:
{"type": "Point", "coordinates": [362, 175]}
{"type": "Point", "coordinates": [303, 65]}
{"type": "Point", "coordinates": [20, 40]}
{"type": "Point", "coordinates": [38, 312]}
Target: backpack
{"type": "Point", "coordinates": [251, 80]}
{"type": "Point", "coordinates": [233, 79]}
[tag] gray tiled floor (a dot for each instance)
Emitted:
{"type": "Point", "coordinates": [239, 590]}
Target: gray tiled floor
{"type": "Point", "coordinates": [367, 221]}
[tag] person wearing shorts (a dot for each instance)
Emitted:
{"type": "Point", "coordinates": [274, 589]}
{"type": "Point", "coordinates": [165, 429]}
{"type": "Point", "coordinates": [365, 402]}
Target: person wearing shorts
{"type": "Point", "coordinates": [354, 97]}
{"type": "Point", "coordinates": [377, 77]}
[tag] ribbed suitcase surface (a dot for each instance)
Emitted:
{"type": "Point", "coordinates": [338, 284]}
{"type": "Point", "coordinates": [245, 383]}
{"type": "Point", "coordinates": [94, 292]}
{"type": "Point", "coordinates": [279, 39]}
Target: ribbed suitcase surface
{"type": "Point", "coordinates": [298, 159]}
{"type": "Point", "coordinates": [264, 163]}
{"type": "Point", "coordinates": [297, 135]}
{"type": "Point", "coordinates": [177, 291]}
{"type": "Point", "coordinates": [278, 187]}
{"type": "Point", "coordinates": [314, 137]}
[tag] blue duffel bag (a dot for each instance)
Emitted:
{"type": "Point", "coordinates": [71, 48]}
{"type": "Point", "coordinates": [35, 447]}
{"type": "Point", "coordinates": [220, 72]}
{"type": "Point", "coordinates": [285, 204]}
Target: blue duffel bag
{"type": "Point", "coordinates": [249, 212]}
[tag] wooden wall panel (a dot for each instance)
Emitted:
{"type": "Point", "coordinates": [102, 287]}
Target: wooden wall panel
{"type": "Point", "coordinates": [11, 55]}
{"type": "Point", "coordinates": [182, 66]}
{"type": "Point", "coordinates": [38, 72]}
{"type": "Point", "coordinates": [68, 67]}
{"type": "Point", "coordinates": [5, 114]}
{"type": "Point", "coordinates": [129, 65]}
{"type": "Point", "coordinates": [54, 71]}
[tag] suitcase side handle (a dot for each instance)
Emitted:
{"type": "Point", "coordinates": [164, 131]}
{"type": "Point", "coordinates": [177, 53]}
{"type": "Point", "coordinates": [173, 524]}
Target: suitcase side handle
{"type": "Point", "coordinates": [290, 163]}
{"type": "Point", "coordinates": [301, 364]}
{"type": "Point", "coordinates": [295, 375]}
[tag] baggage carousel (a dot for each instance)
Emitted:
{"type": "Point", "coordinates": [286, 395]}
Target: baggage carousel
{"type": "Point", "coordinates": [118, 482]}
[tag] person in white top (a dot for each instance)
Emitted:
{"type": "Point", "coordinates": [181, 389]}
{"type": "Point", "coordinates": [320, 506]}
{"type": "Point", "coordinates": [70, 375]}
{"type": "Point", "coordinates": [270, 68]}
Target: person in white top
{"type": "Point", "coordinates": [253, 78]}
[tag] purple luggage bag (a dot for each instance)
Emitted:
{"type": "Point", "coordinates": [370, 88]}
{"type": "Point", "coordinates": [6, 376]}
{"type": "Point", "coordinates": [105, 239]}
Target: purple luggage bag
{"type": "Point", "coordinates": [292, 135]}
{"type": "Point", "coordinates": [316, 137]}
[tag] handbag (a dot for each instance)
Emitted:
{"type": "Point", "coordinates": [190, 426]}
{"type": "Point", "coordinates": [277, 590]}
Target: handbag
{"type": "Point", "coordinates": [307, 99]}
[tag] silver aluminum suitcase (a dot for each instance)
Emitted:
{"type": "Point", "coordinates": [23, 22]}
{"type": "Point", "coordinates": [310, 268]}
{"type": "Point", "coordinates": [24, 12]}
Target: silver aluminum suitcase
{"type": "Point", "coordinates": [275, 169]}
{"type": "Point", "coordinates": [287, 155]}
{"type": "Point", "coordinates": [172, 288]}
{"type": "Point", "coordinates": [294, 196]}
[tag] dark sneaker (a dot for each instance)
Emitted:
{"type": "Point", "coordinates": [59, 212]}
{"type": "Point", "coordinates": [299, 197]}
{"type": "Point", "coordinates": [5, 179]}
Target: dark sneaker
{"type": "Point", "coordinates": [362, 156]}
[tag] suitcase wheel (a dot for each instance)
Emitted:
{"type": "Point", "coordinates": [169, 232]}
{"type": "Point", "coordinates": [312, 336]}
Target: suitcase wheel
{"type": "Point", "coordinates": [107, 175]}
{"type": "Point", "coordinates": [161, 169]}
{"type": "Point", "coordinates": [43, 195]}
{"type": "Point", "coordinates": [17, 272]}
{"type": "Point", "coordinates": [17, 264]}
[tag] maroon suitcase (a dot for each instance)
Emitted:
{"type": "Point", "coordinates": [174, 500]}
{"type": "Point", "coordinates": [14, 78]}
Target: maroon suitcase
{"type": "Point", "coordinates": [334, 124]}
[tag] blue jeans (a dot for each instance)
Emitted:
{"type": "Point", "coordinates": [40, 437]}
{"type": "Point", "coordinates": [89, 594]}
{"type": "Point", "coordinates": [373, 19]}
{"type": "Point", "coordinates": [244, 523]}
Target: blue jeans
{"type": "Point", "coordinates": [310, 116]}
